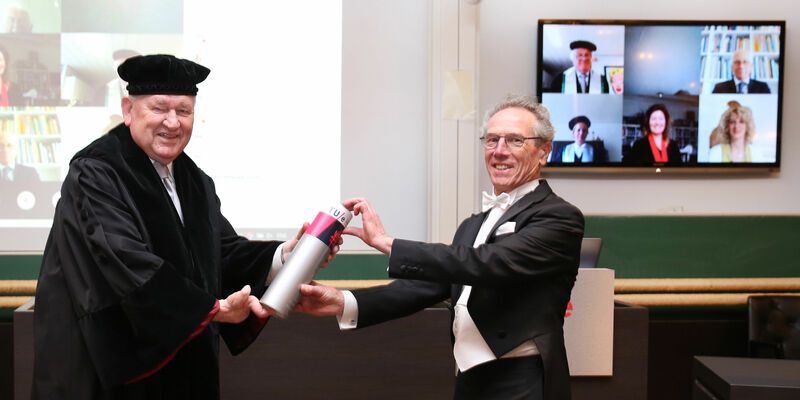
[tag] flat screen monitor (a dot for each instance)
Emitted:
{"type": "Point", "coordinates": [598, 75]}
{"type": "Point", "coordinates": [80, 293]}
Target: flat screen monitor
{"type": "Point", "coordinates": [590, 252]}
{"type": "Point", "coordinates": [662, 95]}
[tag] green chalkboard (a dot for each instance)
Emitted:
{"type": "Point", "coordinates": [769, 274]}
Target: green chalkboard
{"type": "Point", "coordinates": [698, 247]}
{"type": "Point", "coordinates": [635, 247]}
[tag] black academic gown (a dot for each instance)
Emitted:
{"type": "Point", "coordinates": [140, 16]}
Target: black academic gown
{"type": "Point", "coordinates": [557, 86]}
{"type": "Point", "coordinates": [126, 292]}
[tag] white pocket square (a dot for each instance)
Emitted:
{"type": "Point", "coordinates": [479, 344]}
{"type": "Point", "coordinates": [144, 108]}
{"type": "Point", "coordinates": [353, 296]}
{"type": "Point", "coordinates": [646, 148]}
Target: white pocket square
{"type": "Point", "coordinates": [505, 228]}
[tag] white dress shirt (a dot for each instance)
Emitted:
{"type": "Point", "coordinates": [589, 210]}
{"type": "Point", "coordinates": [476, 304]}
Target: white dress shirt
{"type": "Point", "coordinates": [168, 180]}
{"type": "Point", "coordinates": [737, 82]}
{"type": "Point", "coordinates": [571, 152]}
{"type": "Point", "coordinates": [470, 348]}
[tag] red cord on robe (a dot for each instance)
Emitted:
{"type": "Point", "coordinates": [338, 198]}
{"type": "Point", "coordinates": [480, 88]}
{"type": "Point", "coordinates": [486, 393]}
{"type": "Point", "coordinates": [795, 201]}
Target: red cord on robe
{"type": "Point", "coordinates": [196, 332]}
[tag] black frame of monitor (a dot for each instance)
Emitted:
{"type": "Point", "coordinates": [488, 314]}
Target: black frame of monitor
{"type": "Point", "coordinates": [705, 167]}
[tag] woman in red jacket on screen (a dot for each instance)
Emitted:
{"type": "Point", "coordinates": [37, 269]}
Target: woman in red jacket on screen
{"type": "Point", "coordinates": [655, 147]}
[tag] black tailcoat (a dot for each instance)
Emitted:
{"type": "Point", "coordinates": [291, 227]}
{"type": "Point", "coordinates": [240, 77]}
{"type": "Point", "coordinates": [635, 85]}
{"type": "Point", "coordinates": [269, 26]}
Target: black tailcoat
{"type": "Point", "coordinates": [521, 281]}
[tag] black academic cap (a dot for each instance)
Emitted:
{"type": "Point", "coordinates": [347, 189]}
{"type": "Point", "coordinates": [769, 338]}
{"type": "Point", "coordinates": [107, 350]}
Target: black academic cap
{"type": "Point", "coordinates": [162, 74]}
{"type": "Point", "coordinates": [579, 118]}
{"type": "Point", "coordinates": [582, 44]}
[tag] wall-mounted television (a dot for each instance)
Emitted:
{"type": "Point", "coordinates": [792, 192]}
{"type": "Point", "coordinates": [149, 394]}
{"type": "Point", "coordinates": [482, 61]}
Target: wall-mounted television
{"type": "Point", "coordinates": [662, 95]}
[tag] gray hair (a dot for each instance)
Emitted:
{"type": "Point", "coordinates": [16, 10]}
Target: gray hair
{"type": "Point", "coordinates": [542, 129]}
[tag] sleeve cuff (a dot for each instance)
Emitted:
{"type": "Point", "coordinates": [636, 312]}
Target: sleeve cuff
{"type": "Point", "coordinates": [277, 264]}
{"type": "Point", "coordinates": [349, 318]}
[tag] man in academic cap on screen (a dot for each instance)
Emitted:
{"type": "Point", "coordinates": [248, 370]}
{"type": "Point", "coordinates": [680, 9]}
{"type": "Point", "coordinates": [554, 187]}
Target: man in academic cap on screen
{"type": "Point", "coordinates": [578, 151]}
{"type": "Point", "coordinates": [580, 78]}
{"type": "Point", "coordinates": [142, 273]}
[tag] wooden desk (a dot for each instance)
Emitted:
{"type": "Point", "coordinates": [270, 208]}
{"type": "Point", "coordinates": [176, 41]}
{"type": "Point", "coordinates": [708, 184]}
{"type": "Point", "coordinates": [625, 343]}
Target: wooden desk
{"type": "Point", "coordinates": [306, 357]}
{"type": "Point", "coordinates": [733, 378]}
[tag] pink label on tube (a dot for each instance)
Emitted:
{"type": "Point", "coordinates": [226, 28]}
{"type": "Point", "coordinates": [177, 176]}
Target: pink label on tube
{"type": "Point", "coordinates": [328, 227]}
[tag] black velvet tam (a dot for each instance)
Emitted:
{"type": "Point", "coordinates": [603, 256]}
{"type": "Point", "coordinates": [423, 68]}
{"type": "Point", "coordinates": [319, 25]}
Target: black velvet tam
{"type": "Point", "coordinates": [162, 74]}
{"type": "Point", "coordinates": [580, 118]}
{"type": "Point", "coordinates": [582, 44]}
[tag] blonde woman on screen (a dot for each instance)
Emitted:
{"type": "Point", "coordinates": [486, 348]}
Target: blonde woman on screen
{"type": "Point", "coordinates": [736, 130]}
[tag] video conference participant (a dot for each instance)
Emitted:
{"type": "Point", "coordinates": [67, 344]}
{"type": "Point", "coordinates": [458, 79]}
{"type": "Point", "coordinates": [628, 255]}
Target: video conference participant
{"type": "Point", "coordinates": [141, 273]}
{"type": "Point", "coordinates": [509, 272]}
{"type": "Point", "coordinates": [580, 78]}
{"type": "Point", "coordinates": [10, 94]}
{"type": "Point", "coordinates": [741, 66]}
{"type": "Point", "coordinates": [19, 183]}
{"type": "Point", "coordinates": [10, 169]}
{"type": "Point", "coordinates": [737, 129]}
{"type": "Point", "coordinates": [655, 146]}
{"type": "Point", "coordinates": [578, 151]}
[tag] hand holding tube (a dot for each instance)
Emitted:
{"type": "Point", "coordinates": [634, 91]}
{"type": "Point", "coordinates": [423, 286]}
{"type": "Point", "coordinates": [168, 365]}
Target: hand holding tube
{"type": "Point", "coordinates": [320, 300]}
{"type": "Point", "coordinates": [316, 243]}
{"type": "Point", "coordinates": [291, 243]}
{"type": "Point", "coordinates": [236, 307]}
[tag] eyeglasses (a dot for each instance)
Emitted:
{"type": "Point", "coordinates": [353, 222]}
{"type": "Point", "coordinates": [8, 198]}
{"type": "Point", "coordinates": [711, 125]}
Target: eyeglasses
{"type": "Point", "coordinates": [513, 141]}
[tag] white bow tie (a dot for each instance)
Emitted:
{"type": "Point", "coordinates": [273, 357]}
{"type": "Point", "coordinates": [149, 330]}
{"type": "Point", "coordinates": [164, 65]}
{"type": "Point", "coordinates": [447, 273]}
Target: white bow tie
{"type": "Point", "coordinates": [503, 201]}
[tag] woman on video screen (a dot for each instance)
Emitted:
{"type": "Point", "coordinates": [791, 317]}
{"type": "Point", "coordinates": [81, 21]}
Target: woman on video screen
{"type": "Point", "coordinates": [731, 140]}
{"type": "Point", "coordinates": [655, 146]}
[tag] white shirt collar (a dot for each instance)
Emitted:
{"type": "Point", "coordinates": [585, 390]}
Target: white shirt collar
{"type": "Point", "coordinates": [578, 149]}
{"type": "Point", "coordinates": [521, 190]}
{"type": "Point", "coordinates": [736, 81]}
{"type": "Point", "coordinates": [157, 165]}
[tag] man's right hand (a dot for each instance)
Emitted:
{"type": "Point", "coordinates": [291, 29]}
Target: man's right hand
{"type": "Point", "coordinates": [316, 299]}
{"type": "Point", "coordinates": [236, 307]}
{"type": "Point", "coordinates": [372, 232]}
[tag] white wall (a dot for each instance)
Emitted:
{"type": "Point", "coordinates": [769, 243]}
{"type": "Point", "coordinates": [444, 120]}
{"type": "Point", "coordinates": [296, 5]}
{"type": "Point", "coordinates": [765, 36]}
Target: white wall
{"type": "Point", "coordinates": [507, 63]}
{"type": "Point", "coordinates": [385, 69]}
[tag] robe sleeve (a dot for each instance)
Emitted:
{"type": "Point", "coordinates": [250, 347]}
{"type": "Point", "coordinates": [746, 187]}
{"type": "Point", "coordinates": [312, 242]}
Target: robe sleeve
{"type": "Point", "coordinates": [243, 262]}
{"type": "Point", "coordinates": [200, 329]}
{"type": "Point", "coordinates": [134, 310]}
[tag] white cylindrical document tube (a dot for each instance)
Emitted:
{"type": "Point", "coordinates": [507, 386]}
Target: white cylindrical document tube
{"type": "Point", "coordinates": [304, 261]}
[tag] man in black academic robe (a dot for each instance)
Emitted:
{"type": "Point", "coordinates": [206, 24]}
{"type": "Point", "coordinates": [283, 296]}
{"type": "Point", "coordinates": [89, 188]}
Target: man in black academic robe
{"type": "Point", "coordinates": [134, 285]}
